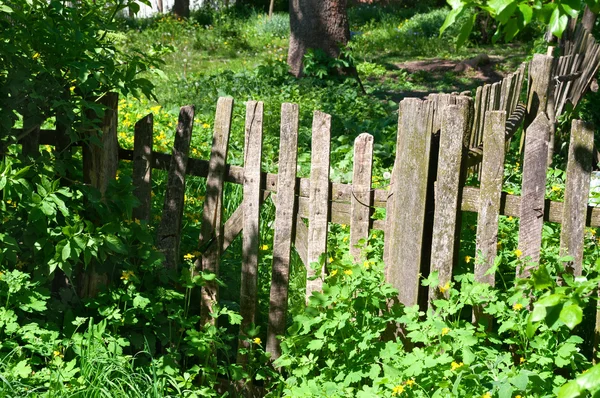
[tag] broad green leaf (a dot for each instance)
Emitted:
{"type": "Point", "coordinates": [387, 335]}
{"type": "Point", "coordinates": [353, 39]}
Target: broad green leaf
{"type": "Point", "coordinates": [115, 244]}
{"type": "Point", "coordinates": [570, 7]}
{"type": "Point", "coordinates": [466, 30]}
{"type": "Point", "coordinates": [510, 30]}
{"type": "Point", "coordinates": [451, 18]}
{"type": "Point", "coordinates": [542, 278]}
{"type": "Point", "coordinates": [550, 301]}
{"type": "Point", "coordinates": [66, 251]}
{"type": "Point", "coordinates": [558, 22]}
{"type": "Point", "coordinates": [571, 315]}
{"type": "Point", "coordinates": [526, 12]}
{"type": "Point", "coordinates": [569, 390]}
{"type": "Point", "coordinates": [590, 380]}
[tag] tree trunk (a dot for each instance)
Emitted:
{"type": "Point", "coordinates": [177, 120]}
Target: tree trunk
{"type": "Point", "coordinates": [316, 24]}
{"type": "Point", "coordinates": [271, 6]}
{"type": "Point", "coordinates": [159, 6]}
{"type": "Point", "coordinates": [181, 8]}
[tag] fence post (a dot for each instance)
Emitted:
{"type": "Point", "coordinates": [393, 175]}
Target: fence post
{"type": "Point", "coordinates": [169, 230]}
{"type": "Point", "coordinates": [405, 235]}
{"type": "Point", "coordinates": [540, 77]}
{"type": "Point", "coordinates": [579, 168]}
{"type": "Point", "coordinates": [492, 177]}
{"type": "Point", "coordinates": [251, 230]}
{"type": "Point", "coordinates": [319, 199]}
{"type": "Point", "coordinates": [100, 164]}
{"type": "Point", "coordinates": [284, 227]}
{"type": "Point", "coordinates": [362, 196]}
{"type": "Point", "coordinates": [533, 190]}
{"type": "Point", "coordinates": [212, 215]}
{"type": "Point", "coordinates": [142, 166]}
{"type": "Point", "coordinates": [454, 136]}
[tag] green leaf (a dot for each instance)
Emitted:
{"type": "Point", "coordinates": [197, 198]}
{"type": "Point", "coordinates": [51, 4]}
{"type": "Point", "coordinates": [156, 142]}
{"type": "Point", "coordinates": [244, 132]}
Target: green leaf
{"type": "Point", "coordinates": [571, 315]}
{"type": "Point", "coordinates": [550, 301]}
{"type": "Point", "coordinates": [569, 390]}
{"type": "Point", "coordinates": [558, 23]}
{"type": "Point", "coordinates": [452, 15]}
{"type": "Point", "coordinates": [542, 278]}
{"type": "Point", "coordinates": [115, 244]}
{"type": "Point", "coordinates": [315, 345]}
{"type": "Point", "coordinates": [466, 30]}
{"type": "Point", "coordinates": [21, 369]}
{"type": "Point", "coordinates": [526, 12]}
{"type": "Point", "coordinates": [66, 251]}
{"type": "Point", "coordinates": [590, 380]}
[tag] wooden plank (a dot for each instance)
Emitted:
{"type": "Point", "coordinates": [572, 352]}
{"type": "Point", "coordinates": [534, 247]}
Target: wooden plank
{"type": "Point", "coordinates": [579, 168]}
{"type": "Point", "coordinates": [407, 229]}
{"type": "Point", "coordinates": [390, 208]}
{"type": "Point", "coordinates": [474, 141]}
{"type": "Point", "coordinates": [341, 193]}
{"type": "Point", "coordinates": [212, 214]}
{"type": "Point", "coordinates": [142, 167]}
{"type": "Point", "coordinates": [492, 177]}
{"type": "Point", "coordinates": [169, 230]}
{"type": "Point", "coordinates": [301, 240]}
{"type": "Point", "coordinates": [534, 190]}
{"type": "Point", "coordinates": [100, 162]}
{"type": "Point", "coordinates": [251, 235]}
{"type": "Point", "coordinates": [319, 199]}
{"type": "Point", "coordinates": [540, 75]}
{"type": "Point", "coordinates": [284, 228]}
{"type": "Point", "coordinates": [362, 196]}
{"type": "Point", "coordinates": [455, 132]}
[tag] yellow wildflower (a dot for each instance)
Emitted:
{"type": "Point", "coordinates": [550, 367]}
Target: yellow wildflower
{"type": "Point", "coordinates": [487, 395]}
{"type": "Point", "coordinates": [510, 218]}
{"type": "Point", "coordinates": [517, 306]}
{"type": "Point", "coordinates": [257, 340]}
{"type": "Point", "coordinates": [264, 247]}
{"type": "Point", "coordinates": [518, 396]}
{"type": "Point", "coordinates": [409, 382]}
{"type": "Point", "coordinates": [521, 360]}
{"type": "Point", "coordinates": [333, 273]}
{"type": "Point", "coordinates": [555, 188]}
{"type": "Point", "coordinates": [330, 260]}
{"type": "Point", "coordinates": [344, 226]}
{"type": "Point", "coordinates": [188, 256]}
{"type": "Point", "coordinates": [499, 245]}
{"type": "Point", "coordinates": [348, 272]}
{"type": "Point", "coordinates": [58, 354]}
{"type": "Point", "coordinates": [445, 331]}
{"type": "Point", "coordinates": [36, 55]}
{"type": "Point", "coordinates": [468, 259]}
{"type": "Point", "coordinates": [126, 275]}
{"type": "Point", "coordinates": [1, 273]}
{"type": "Point", "coordinates": [206, 125]}
{"type": "Point", "coordinates": [397, 390]}
{"type": "Point", "coordinates": [374, 236]}
{"type": "Point", "coordinates": [518, 253]}
{"type": "Point", "coordinates": [345, 239]}
{"type": "Point", "coordinates": [455, 365]}
{"type": "Point", "coordinates": [366, 264]}
{"type": "Point", "coordinates": [592, 231]}
{"type": "Point", "coordinates": [155, 109]}
{"type": "Point", "coordinates": [444, 288]}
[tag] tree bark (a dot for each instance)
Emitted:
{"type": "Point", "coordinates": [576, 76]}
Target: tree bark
{"type": "Point", "coordinates": [271, 6]}
{"type": "Point", "coordinates": [316, 24]}
{"type": "Point", "coordinates": [181, 8]}
{"type": "Point", "coordinates": [159, 5]}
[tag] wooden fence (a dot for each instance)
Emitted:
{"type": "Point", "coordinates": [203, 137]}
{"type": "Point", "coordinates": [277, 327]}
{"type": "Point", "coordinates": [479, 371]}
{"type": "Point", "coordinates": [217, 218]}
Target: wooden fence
{"type": "Point", "coordinates": [423, 205]}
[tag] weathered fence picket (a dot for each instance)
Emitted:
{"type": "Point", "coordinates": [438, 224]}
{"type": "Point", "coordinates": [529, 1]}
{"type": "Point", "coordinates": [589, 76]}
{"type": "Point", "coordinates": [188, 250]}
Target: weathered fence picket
{"type": "Point", "coordinates": [284, 228]}
{"type": "Point", "coordinates": [251, 233]}
{"type": "Point", "coordinates": [362, 195]}
{"type": "Point", "coordinates": [579, 168]}
{"type": "Point", "coordinates": [169, 230]}
{"type": "Point", "coordinates": [142, 166]}
{"type": "Point", "coordinates": [533, 189]}
{"type": "Point", "coordinates": [454, 134]}
{"type": "Point", "coordinates": [319, 200]}
{"type": "Point", "coordinates": [492, 177]}
{"type": "Point", "coordinates": [409, 186]}
{"type": "Point", "coordinates": [212, 214]}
